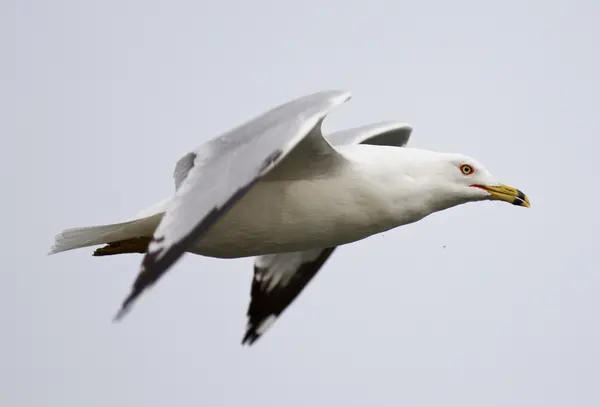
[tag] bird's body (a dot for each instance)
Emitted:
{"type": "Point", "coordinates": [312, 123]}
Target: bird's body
{"type": "Point", "coordinates": [276, 188]}
{"type": "Point", "coordinates": [289, 212]}
{"type": "Point", "coordinates": [286, 215]}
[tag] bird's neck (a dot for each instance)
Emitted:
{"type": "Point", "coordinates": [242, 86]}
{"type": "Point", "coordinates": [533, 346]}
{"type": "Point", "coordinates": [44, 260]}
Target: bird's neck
{"type": "Point", "coordinates": [394, 172]}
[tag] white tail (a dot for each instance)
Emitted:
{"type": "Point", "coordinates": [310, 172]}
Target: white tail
{"type": "Point", "coordinates": [142, 225]}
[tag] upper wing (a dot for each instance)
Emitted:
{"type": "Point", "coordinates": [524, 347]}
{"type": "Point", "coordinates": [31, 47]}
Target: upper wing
{"type": "Point", "coordinates": [383, 134]}
{"type": "Point", "coordinates": [280, 278]}
{"type": "Point", "coordinates": [213, 178]}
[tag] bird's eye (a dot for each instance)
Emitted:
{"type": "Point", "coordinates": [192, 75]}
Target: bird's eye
{"type": "Point", "coordinates": [467, 169]}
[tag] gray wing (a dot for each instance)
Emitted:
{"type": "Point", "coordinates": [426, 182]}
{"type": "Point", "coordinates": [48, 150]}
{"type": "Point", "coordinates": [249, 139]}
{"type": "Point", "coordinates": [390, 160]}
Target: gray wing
{"type": "Point", "coordinates": [280, 278]}
{"type": "Point", "coordinates": [237, 159]}
{"type": "Point", "coordinates": [383, 134]}
{"type": "Point", "coordinates": [183, 166]}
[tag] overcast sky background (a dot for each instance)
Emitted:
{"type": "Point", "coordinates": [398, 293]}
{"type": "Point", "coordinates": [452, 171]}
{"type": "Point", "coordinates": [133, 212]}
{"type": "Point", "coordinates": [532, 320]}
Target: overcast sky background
{"type": "Point", "coordinates": [99, 100]}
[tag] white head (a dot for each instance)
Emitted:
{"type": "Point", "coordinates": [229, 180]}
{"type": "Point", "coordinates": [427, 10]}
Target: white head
{"type": "Point", "coordinates": [447, 180]}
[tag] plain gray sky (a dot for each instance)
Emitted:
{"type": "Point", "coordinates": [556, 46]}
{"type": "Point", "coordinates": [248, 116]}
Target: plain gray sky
{"type": "Point", "coordinates": [99, 99]}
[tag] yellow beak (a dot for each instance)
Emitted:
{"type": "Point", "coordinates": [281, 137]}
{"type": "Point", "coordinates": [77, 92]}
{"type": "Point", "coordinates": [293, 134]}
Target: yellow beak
{"type": "Point", "coordinates": [507, 194]}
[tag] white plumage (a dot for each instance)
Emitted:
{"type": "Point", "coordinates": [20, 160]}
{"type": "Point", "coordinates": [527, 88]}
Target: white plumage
{"type": "Point", "coordinates": [276, 187]}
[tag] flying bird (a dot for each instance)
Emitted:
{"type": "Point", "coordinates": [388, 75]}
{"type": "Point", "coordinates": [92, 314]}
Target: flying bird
{"type": "Point", "coordinates": [279, 189]}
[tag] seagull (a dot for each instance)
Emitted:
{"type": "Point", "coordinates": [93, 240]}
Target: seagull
{"type": "Point", "coordinates": [277, 189]}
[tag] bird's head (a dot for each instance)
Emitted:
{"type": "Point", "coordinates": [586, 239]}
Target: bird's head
{"type": "Point", "coordinates": [467, 180]}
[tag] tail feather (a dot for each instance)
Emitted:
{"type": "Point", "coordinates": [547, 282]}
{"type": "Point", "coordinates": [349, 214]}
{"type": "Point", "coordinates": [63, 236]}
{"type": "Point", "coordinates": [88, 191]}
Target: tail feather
{"type": "Point", "coordinates": [95, 235]}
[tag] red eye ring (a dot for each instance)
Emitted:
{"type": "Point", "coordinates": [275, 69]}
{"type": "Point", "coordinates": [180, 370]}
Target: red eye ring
{"type": "Point", "coordinates": [466, 169]}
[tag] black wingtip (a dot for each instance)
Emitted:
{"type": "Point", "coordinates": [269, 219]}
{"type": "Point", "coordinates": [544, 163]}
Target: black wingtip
{"type": "Point", "coordinates": [120, 314]}
{"type": "Point", "coordinates": [126, 306]}
{"type": "Point", "coordinates": [250, 337]}
{"type": "Point", "coordinates": [256, 329]}
{"type": "Point", "coordinates": [142, 282]}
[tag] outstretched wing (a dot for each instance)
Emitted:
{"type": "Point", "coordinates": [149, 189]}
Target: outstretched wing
{"type": "Point", "coordinates": [280, 278]}
{"type": "Point", "coordinates": [237, 159]}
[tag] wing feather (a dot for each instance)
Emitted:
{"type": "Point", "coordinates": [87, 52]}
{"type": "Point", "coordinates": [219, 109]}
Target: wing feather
{"type": "Point", "coordinates": [278, 280]}
{"type": "Point", "coordinates": [182, 168]}
{"type": "Point", "coordinates": [383, 133]}
{"type": "Point", "coordinates": [237, 159]}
